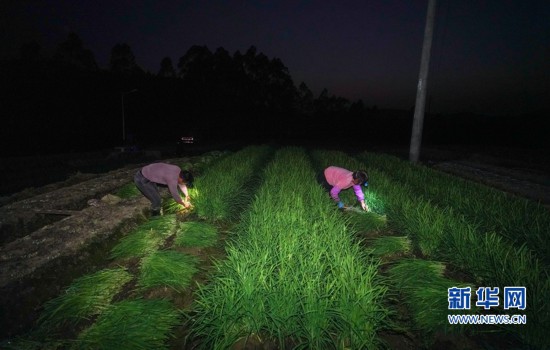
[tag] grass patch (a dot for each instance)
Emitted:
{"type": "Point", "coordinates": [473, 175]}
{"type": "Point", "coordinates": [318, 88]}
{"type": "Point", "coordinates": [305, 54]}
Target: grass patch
{"type": "Point", "coordinates": [132, 324]}
{"type": "Point", "coordinates": [127, 191]}
{"type": "Point", "coordinates": [160, 223]}
{"type": "Point", "coordinates": [196, 234]}
{"type": "Point", "coordinates": [293, 274]}
{"type": "Point", "coordinates": [146, 239]}
{"type": "Point", "coordinates": [424, 289]}
{"type": "Point", "coordinates": [366, 221]}
{"type": "Point", "coordinates": [389, 246]}
{"type": "Point", "coordinates": [167, 268]}
{"type": "Point", "coordinates": [86, 296]}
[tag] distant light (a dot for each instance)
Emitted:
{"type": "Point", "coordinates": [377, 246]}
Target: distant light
{"type": "Point", "coordinates": [187, 139]}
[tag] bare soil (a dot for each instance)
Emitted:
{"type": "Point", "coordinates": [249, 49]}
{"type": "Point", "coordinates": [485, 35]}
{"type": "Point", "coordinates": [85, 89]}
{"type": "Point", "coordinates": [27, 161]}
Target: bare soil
{"type": "Point", "coordinates": [51, 235]}
{"type": "Point", "coordinates": [521, 172]}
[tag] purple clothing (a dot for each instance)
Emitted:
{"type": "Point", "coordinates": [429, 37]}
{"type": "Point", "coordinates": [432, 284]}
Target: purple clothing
{"type": "Point", "coordinates": [166, 174]}
{"type": "Point", "coordinates": [341, 179]}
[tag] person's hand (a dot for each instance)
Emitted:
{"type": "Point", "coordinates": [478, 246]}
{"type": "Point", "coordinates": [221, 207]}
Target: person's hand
{"type": "Point", "coordinates": [364, 206]}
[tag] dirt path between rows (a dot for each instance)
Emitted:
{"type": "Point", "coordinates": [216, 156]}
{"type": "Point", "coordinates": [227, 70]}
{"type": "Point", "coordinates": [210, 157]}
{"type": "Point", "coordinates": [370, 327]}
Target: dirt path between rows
{"type": "Point", "coordinates": [46, 239]}
{"type": "Point", "coordinates": [525, 173]}
{"type": "Point", "coordinates": [535, 187]}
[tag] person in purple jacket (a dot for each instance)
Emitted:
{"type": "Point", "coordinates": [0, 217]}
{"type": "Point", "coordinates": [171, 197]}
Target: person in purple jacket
{"type": "Point", "coordinates": [335, 179]}
{"type": "Point", "coordinates": [148, 177]}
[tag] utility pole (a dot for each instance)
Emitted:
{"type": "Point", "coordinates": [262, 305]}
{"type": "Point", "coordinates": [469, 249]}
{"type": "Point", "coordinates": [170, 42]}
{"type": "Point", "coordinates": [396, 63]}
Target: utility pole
{"type": "Point", "coordinates": [418, 121]}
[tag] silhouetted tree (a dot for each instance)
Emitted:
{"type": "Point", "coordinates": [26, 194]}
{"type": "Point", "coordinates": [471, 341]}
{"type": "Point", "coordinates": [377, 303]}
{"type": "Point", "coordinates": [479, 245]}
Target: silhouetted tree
{"type": "Point", "coordinates": [196, 65]}
{"type": "Point", "coordinates": [123, 60]}
{"type": "Point", "coordinates": [281, 90]}
{"type": "Point", "coordinates": [227, 80]}
{"type": "Point", "coordinates": [357, 108]}
{"type": "Point", "coordinates": [238, 87]}
{"type": "Point", "coordinates": [166, 68]}
{"type": "Point", "coordinates": [270, 85]}
{"type": "Point", "coordinates": [305, 99]}
{"type": "Point", "coordinates": [326, 104]}
{"type": "Point", "coordinates": [72, 51]}
{"type": "Point", "coordinates": [222, 63]}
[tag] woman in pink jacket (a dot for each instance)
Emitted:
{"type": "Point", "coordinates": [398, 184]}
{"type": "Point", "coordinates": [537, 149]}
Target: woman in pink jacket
{"type": "Point", "coordinates": [335, 179]}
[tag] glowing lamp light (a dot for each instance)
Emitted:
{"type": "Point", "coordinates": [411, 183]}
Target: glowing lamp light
{"type": "Point", "coordinates": [187, 139]}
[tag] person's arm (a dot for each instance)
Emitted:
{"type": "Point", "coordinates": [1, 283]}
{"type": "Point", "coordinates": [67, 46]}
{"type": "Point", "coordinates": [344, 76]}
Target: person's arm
{"type": "Point", "coordinates": [173, 188]}
{"type": "Point", "coordinates": [185, 192]}
{"type": "Point", "coordinates": [360, 196]}
{"type": "Point", "coordinates": [334, 194]}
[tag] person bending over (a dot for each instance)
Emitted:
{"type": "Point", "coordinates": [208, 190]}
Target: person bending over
{"type": "Point", "coordinates": [150, 176]}
{"type": "Point", "coordinates": [335, 179]}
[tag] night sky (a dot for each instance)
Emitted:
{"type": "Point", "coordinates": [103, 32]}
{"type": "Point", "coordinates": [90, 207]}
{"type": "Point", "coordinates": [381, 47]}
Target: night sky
{"type": "Point", "coordinates": [488, 57]}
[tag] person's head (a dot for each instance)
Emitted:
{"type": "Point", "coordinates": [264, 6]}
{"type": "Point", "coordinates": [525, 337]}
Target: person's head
{"type": "Point", "coordinates": [360, 177]}
{"type": "Point", "coordinates": [186, 177]}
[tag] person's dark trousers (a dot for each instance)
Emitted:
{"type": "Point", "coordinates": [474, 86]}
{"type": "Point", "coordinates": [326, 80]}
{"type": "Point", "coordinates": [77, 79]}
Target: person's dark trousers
{"type": "Point", "coordinates": [323, 181]}
{"type": "Point", "coordinates": [149, 190]}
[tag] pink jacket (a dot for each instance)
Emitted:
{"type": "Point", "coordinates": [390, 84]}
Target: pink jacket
{"type": "Point", "coordinates": [166, 174]}
{"type": "Point", "coordinates": [341, 179]}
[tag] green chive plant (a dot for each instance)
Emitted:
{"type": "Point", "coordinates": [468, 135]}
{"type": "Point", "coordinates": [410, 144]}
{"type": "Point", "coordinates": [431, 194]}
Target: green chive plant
{"type": "Point", "coordinates": [128, 191]}
{"type": "Point", "coordinates": [196, 234]}
{"type": "Point", "coordinates": [225, 187]}
{"type": "Point", "coordinates": [424, 289]}
{"type": "Point", "coordinates": [390, 246]}
{"type": "Point", "coordinates": [132, 324]}
{"type": "Point", "coordinates": [146, 238]}
{"type": "Point", "coordinates": [444, 233]}
{"type": "Point", "coordinates": [293, 273]}
{"type": "Point", "coordinates": [520, 220]}
{"type": "Point", "coordinates": [166, 268]}
{"type": "Point", "coordinates": [87, 296]}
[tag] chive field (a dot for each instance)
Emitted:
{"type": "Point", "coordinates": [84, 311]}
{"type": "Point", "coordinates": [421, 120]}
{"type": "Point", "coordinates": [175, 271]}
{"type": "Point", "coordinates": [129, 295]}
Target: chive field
{"type": "Point", "coordinates": [264, 259]}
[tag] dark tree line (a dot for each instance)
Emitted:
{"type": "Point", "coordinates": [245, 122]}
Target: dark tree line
{"type": "Point", "coordinates": [66, 103]}
{"type": "Point", "coordinates": [220, 96]}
